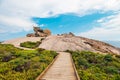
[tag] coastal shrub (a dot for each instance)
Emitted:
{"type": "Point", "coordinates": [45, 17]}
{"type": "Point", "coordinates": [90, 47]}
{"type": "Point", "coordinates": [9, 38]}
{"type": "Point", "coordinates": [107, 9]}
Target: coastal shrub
{"type": "Point", "coordinates": [108, 57]}
{"type": "Point", "coordinates": [18, 64]}
{"type": "Point", "coordinates": [111, 70]}
{"type": "Point", "coordinates": [30, 44]}
{"type": "Point", "coordinates": [40, 49]}
{"type": "Point", "coordinates": [95, 66]}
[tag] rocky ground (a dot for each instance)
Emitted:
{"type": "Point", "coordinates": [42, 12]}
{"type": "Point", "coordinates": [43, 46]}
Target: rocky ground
{"type": "Point", "coordinates": [68, 42]}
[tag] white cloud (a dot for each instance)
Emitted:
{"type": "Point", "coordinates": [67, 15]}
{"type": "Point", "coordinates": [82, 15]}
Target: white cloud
{"type": "Point", "coordinates": [46, 8]}
{"type": "Point", "coordinates": [109, 29]}
{"type": "Point", "coordinates": [2, 31]}
{"type": "Point", "coordinates": [15, 15]}
{"type": "Point", "coordinates": [42, 25]}
{"type": "Point", "coordinates": [15, 24]}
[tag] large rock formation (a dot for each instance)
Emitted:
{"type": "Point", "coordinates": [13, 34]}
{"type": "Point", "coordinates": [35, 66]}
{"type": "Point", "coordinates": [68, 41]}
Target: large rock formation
{"type": "Point", "coordinates": [38, 32]}
{"type": "Point", "coordinates": [71, 42]}
{"type": "Point", "coordinates": [65, 42]}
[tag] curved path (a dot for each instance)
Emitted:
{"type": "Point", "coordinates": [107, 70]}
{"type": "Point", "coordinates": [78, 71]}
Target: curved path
{"type": "Point", "coordinates": [61, 69]}
{"type": "Point", "coordinates": [16, 42]}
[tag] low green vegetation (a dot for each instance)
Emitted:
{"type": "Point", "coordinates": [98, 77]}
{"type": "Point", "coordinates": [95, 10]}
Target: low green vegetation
{"type": "Point", "coordinates": [94, 66]}
{"type": "Point", "coordinates": [30, 44]}
{"type": "Point", "coordinates": [18, 64]}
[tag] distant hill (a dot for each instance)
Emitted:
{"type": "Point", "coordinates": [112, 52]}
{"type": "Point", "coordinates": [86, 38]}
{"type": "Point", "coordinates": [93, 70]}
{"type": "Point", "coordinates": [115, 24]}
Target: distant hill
{"type": "Point", "coordinates": [114, 43]}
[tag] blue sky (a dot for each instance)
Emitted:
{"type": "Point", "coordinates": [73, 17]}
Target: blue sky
{"type": "Point", "coordinates": [98, 19]}
{"type": "Point", "coordinates": [69, 22]}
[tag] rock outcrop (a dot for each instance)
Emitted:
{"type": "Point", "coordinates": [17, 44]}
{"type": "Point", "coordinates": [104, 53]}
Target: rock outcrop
{"type": "Point", "coordinates": [63, 42]}
{"type": "Point", "coordinates": [71, 42]}
{"type": "Point", "coordinates": [38, 32]}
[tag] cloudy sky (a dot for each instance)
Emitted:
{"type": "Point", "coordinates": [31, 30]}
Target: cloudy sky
{"type": "Point", "coordinates": [96, 19]}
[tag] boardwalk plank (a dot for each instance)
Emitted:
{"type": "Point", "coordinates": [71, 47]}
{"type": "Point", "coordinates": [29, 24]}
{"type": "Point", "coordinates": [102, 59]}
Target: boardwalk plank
{"type": "Point", "coordinates": [62, 69]}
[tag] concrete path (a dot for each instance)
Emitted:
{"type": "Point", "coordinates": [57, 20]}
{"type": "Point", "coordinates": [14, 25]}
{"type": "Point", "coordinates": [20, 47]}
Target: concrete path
{"type": "Point", "coordinates": [62, 69]}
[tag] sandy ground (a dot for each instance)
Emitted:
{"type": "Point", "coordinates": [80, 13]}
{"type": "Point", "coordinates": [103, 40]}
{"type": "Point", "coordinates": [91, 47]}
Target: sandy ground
{"type": "Point", "coordinates": [16, 42]}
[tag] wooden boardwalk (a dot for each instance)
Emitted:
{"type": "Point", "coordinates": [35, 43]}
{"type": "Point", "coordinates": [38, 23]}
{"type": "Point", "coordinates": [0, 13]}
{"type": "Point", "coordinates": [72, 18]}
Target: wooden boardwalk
{"type": "Point", "coordinates": [61, 69]}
